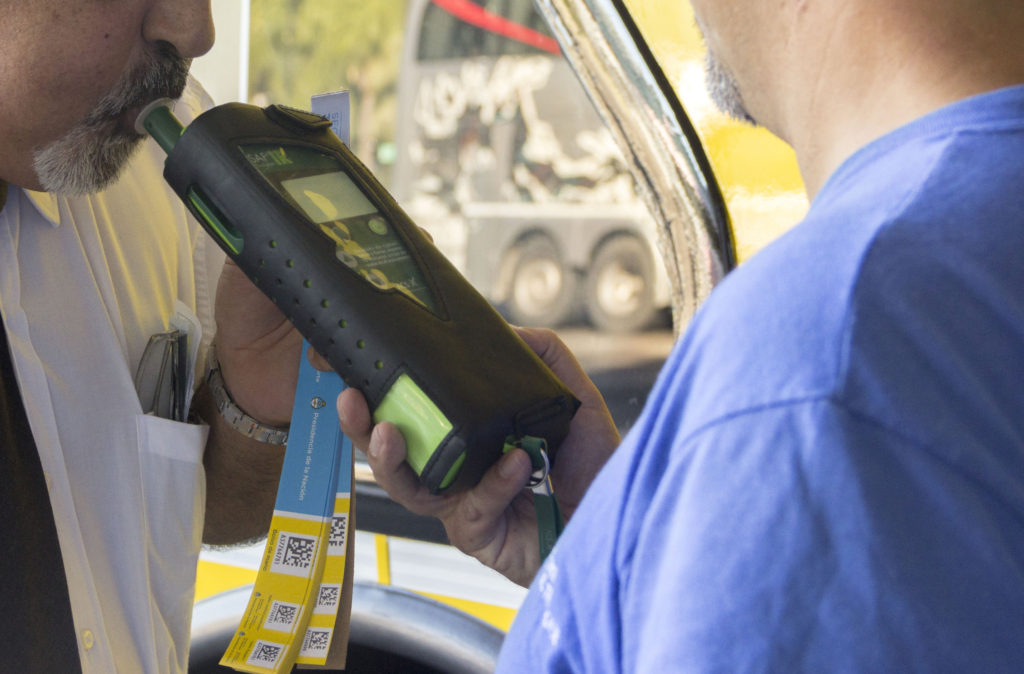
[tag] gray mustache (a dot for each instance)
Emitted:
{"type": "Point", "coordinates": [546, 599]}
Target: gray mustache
{"type": "Point", "coordinates": [163, 75]}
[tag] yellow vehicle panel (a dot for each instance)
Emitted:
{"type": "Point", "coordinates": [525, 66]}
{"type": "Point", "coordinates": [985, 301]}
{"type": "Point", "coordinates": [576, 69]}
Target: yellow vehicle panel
{"type": "Point", "coordinates": [757, 172]}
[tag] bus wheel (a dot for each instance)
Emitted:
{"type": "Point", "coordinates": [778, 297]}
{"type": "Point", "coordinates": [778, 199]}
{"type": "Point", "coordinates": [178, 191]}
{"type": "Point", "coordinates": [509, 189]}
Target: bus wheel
{"type": "Point", "coordinates": [541, 289]}
{"type": "Point", "coordinates": [620, 286]}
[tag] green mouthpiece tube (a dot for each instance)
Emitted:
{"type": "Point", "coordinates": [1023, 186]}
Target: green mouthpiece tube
{"type": "Point", "coordinates": [157, 120]}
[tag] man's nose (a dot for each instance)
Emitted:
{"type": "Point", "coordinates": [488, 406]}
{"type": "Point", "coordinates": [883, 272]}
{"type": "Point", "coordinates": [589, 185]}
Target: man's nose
{"type": "Point", "coordinates": [186, 24]}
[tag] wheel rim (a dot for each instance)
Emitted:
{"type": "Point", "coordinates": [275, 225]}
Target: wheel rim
{"type": "Point", "coordinates": [620, 290]}
{"type": "Point", "coordinates": [538, 285]}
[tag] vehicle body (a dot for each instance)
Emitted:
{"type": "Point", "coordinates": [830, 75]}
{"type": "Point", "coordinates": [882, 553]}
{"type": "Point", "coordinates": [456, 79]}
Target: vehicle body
{"type": "Point", "coordinates": [501, 156]}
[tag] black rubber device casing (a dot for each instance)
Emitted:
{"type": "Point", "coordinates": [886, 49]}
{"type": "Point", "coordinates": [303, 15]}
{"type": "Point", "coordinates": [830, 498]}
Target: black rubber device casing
{"type": "Point", "coordinates": [468, 361]}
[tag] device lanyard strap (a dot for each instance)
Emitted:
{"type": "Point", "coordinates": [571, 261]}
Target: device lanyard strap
{"type": "Point", "coordinates": [549, 518]}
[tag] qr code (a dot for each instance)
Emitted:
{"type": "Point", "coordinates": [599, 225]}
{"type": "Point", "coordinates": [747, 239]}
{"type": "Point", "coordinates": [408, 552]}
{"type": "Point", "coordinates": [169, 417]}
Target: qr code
{"type": "Point", "coordinates": [265, 654]}
{"type": "Point", "coordinates": [294, 554]}
{"type": "Point", "coordinates": [316, 643]}
{"type": "Point", "coordinates": [282, 616]}
{"type": "Point", "coordinates": [328, 598]}
{"type": "Point", "coordinates": [336, 545]}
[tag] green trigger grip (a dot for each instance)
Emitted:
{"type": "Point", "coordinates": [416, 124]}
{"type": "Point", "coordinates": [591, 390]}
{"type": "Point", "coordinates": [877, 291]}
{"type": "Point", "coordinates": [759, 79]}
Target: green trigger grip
{"type": "Point", "coordinates": [422, 424]}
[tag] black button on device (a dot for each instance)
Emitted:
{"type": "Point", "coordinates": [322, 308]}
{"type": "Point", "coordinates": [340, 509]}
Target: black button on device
{"type": "Point", "coordinates": [295, 119]}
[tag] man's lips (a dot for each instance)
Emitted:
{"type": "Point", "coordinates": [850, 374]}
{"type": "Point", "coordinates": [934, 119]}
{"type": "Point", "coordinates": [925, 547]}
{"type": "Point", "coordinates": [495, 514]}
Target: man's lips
{"type": "Point", "coordinates": [125, 120]}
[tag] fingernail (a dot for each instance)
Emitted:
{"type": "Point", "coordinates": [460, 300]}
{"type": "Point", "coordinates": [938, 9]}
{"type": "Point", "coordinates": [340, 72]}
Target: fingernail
{"type": "Point", "coordinates": [374, 449]}
{"type": "Point", "coordinates": [510, 465]}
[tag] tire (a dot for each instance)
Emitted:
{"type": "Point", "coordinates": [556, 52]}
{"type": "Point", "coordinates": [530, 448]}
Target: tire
{"type": "Point", "coordinates": [541, 288]}
{"type": "Point", "coordinates": [620, 286]}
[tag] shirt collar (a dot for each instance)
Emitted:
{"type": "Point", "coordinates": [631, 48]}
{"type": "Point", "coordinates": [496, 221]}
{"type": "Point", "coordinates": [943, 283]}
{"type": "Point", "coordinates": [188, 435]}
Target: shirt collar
{"type": "Point", "coordinates": [46, 204]}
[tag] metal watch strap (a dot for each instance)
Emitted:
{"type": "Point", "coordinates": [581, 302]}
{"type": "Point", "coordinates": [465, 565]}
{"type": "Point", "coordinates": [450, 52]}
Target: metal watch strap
{"type": "Point", "coordinates": [235, 416]}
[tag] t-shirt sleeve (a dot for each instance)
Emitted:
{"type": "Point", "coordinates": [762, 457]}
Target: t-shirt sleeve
{"type": "Point", "coordinates": [802, 537]}
{"type": "Point", "coordinates": [808, 538]}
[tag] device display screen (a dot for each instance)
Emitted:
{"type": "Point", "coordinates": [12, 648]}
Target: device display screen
{"type": "Point", "coordinates": [363, 238]}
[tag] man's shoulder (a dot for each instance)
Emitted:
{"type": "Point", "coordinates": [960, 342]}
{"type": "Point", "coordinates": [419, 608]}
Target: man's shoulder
{"type": "Point", "coordinates": [773, 329]}
{"type": "Point", "coordinates": [908, 234]}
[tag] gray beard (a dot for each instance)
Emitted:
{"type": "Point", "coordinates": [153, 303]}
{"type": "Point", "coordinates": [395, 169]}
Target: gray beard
{"type": "Point", "coordinates": [84, 161]}
{"type": "Point", "coordinates": [90, 156]}
{"type": "Point", "coordinates": [724, 91]}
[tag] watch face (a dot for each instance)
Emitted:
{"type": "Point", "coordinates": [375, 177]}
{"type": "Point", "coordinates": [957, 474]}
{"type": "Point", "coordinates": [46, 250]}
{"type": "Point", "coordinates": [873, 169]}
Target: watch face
{"type": "Point", "coordinates": [364, 238]}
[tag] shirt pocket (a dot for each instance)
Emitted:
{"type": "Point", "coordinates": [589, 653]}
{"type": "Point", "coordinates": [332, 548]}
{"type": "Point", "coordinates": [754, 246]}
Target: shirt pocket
{"type": "Point", "coordinates": [174, 496]}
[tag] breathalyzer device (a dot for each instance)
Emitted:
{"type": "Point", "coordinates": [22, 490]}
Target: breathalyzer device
{"type": "Point", "coordinates": [316, 232]}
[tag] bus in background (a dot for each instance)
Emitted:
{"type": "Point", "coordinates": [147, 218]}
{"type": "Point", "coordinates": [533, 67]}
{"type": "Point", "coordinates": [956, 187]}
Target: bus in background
{"type": "Point", "coordinates": [502, 157]}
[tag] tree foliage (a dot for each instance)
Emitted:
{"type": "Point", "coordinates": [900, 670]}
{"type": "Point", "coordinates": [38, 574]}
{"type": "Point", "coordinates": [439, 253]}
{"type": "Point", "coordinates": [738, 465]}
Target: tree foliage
{"type": "Point", "coordinates": [298, 48]}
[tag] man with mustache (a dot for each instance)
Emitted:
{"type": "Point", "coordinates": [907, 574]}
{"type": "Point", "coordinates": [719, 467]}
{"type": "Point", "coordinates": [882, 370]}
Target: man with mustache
{"type": "Point", "coordinates": [104, 506]}
{"type": "Point", "coordinates": [828, 475]}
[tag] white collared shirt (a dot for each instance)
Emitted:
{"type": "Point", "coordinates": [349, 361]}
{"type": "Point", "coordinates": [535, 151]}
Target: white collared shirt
{"type": "Point", "coordinates": [84, 283]}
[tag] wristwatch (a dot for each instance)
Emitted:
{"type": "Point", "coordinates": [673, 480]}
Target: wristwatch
{"type": "Point", "coordinates": [234, 415]}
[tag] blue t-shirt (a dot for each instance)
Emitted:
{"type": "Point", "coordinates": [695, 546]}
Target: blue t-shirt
{"type": "Point", "coordinates": [829, 473]}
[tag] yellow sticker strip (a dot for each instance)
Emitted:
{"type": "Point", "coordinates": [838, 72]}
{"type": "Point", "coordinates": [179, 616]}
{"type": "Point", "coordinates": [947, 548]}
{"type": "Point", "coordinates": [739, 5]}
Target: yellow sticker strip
{"type": "Point", "coordinates": [280, 606]}
{"type": "Point", "coordinates": [320, 632]}
{"type": "Point", "coordinates": [285, 596]}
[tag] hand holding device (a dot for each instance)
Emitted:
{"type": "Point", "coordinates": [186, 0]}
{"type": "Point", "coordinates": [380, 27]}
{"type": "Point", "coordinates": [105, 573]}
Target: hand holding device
{"type": "Point", "coordinates": [495, 521]}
